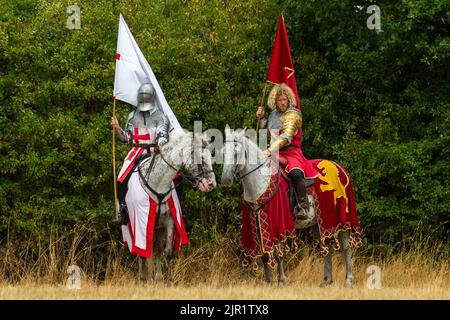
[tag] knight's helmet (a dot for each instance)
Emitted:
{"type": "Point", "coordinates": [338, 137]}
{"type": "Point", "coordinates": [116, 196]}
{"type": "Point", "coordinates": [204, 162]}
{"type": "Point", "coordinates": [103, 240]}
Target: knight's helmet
{"type": "Point", "coordinates": [146, 97]}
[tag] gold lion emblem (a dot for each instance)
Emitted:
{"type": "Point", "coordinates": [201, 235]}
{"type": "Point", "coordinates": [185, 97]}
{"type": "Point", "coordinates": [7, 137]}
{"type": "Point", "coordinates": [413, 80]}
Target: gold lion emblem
{"type": "Point", "coordinates": [330, 175]}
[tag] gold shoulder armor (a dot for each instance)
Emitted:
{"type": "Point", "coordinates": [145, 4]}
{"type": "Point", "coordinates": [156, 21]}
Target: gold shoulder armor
{"type": "Point", "coordinates": [292, 121]}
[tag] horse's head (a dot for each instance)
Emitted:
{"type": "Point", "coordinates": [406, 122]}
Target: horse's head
{"type": "Point", "coordinates": [198, 162]}
{"type": "Point", "coordinates": [233, 154]}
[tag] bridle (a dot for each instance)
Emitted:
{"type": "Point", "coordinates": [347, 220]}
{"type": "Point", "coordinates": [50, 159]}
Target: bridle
{"type": "Point", "coordinates": [242, 176]}
{"type": "Point", "coordinates": [194, 180]}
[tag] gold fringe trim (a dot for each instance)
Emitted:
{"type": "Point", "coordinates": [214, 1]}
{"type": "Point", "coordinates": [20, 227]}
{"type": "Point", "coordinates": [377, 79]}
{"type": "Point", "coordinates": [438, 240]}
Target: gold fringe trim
{"type": "Point", "coordinates": [281, 249]}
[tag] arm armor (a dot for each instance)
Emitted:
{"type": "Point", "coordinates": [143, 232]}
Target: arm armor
{"type": "Point", "coordinates": [163, 129]}
{"type": "Point", "coordinates": [125, 136]}
{"type": "Point", "coordinates": [292, 122]}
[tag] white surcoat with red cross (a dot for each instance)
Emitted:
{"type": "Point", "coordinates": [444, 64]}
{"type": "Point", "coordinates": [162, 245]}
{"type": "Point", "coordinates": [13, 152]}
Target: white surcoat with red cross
{"type": "Point", "coordinates": [138, 233]}
{"type": "Point", "coordinates": [141, 137]}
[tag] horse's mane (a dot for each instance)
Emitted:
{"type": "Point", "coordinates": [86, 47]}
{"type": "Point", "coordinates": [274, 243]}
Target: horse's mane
{"type": "Point", "coordinates": [252, 148]}
{"type": "Point", "coordinates": [248, 141]}
{"type": "Point", "coordinates": [252, 143]}
{"type": "Point", "coordinates": [177, 135]}
{"type": "Point", "coordinates": [183, 133]}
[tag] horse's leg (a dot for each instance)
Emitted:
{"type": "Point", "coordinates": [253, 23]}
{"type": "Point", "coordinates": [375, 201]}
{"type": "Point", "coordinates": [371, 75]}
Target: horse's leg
{"type": "Point", "coordinates": [267, 268]}
{"type": "Point", "coordinates": [280, 268]}
{"type": "Point", "coordinates": [168, 250]}
{"type": "Point", "coordinates": [159, 278]}
{"type": "Point", "coordinates": [315, 232]}
{"type": "Point", "coordinates": [347, 252]}
{"type": "Point", "coordinates": [328, 268]}
{"type": "Point", "coordinates": [143, 270]}
{"type": "Point", "coordinates": [170, 263]}
{"type": "Point", "coordinates": [157, 256]}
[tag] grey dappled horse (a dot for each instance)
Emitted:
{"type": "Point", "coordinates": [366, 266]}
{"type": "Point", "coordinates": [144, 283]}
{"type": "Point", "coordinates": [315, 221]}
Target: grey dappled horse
{"type": "Point", "coordinates": [242, 156]}
{"type": "Point", "coordinates": [187, 151]}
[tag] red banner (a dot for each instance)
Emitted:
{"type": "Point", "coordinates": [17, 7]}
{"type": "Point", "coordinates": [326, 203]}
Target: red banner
{"type": "Point", "coordinates": [281, 68]}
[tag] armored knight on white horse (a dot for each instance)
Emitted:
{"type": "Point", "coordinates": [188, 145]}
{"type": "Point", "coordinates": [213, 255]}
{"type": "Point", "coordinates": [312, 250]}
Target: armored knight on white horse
{"type": "Point", "coordinates": [150, 212]}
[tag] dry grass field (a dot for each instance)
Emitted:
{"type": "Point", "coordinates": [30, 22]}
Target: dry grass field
{"type": "Point", "coordinates": [246, 291]}
{"type": "Point", "coordinates": [215, 273]}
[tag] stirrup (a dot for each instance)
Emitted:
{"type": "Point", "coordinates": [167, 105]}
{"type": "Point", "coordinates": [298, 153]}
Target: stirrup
{"type": "Point", "coordinates": [300, 213]}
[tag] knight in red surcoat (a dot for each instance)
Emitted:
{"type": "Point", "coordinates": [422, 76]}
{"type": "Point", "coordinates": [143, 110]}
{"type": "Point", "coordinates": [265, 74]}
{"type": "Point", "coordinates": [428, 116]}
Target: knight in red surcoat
{"type": "Point", "coordinates": [285, 126]}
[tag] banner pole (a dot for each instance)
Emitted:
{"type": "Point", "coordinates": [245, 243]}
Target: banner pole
{"type": "Point", "coordinates": [261, 104]}
{"type": "Point", "coordinates": [114, 162]}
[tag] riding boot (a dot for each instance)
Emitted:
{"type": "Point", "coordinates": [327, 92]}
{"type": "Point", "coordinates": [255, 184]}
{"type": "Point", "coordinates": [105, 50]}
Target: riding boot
{"type": "Point", "coordinates": [123, 214]}
{"type": "Point", "coordinates": [303, 203]}
{"type": "Point", "coordinates": [121, 193]}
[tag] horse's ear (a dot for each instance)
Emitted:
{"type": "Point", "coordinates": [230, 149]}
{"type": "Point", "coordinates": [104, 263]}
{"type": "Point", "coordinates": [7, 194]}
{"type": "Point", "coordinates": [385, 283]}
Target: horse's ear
{"type": "Point", "coordinates": [241, 134]}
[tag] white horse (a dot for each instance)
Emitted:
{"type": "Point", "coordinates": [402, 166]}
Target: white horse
{"type": "Point", "coordinates": [255, 176]}
{"type": "Point", "coordinates": [156, 174]}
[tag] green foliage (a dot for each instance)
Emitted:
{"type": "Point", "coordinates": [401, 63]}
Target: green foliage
{"type": "Point", "coordinates": [378, 103]}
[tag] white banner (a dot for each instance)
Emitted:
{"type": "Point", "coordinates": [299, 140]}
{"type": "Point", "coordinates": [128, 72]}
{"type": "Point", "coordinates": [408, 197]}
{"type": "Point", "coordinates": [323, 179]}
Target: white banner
{"type": "Point", "coordinates": [132, 70]}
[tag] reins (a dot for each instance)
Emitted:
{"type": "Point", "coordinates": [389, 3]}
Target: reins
{"type": "Point", "coordinates": [242, 176]}
{"type": "Point", "coordinates": [194, 180]}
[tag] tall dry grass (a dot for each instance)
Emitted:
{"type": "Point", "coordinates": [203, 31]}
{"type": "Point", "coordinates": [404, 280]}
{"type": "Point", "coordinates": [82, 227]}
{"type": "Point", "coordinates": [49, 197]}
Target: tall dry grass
{"type": "Point", "coordinates": [420, 271]}
{"type": "Point", "coordinates": [46, 260]}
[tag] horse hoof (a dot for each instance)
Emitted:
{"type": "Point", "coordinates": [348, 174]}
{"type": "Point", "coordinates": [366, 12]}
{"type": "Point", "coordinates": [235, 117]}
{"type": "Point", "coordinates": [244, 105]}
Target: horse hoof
{"type": "Point", "coordinates": [326, 283]}
{"type": "Point", "coordinates": [348, 283]}
{"type": "Point", "coordinates": [280, 284]}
